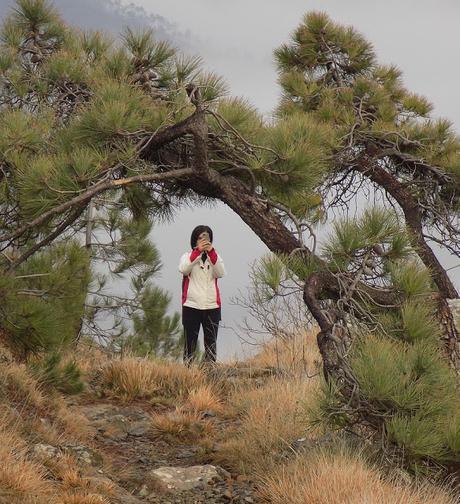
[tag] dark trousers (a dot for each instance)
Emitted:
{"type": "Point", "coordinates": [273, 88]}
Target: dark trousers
{"type": "Point", "coordinates": [192, 319]}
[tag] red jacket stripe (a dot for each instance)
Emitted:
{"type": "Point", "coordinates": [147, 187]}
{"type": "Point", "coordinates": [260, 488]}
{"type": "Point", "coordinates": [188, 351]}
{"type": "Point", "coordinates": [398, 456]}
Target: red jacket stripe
{"type": "Point", "coordinates": [217, 292]}
{"type": "Point", "coordinates": [185, 283]}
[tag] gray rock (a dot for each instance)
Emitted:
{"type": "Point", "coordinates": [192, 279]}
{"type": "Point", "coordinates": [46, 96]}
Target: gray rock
{"type": "Point", "coordinates": [208, 413]}
{"type": "Point", "coordinates": [138, 429]}
{"type": "Point", "coordinates": [223, 472]}
{"type": "Point", "coordinates": [186, 478]}
{"type": "Point", "coordinates": [84, 454]}
{"type": "Point", "coordinates": [45, 451]}
{"type": "Point", "coordinates": [185, 454]}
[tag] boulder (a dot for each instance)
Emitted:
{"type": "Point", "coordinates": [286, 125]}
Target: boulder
{"type": "Point", "coordinates": [186, 478]}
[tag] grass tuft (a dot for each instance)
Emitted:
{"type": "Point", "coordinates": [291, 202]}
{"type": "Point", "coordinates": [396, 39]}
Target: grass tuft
{"type": "Point", "coordinates": [338, 478]}
{"type": "Point", "coordinates": [181, 425]}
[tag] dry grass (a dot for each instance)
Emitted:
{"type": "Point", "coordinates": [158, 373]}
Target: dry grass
{"type": "Point", "coordinates": [71, 478]}
{"type": "Point", "coordinates": [272, 417]}
{"type": "Point", "coordinates": [89, 356]}
{"type": "Point", "coordinates": [72, 481]}
{"type": "Point", "coordinates": [129, 378]}
{"type": "Point", "coordinates": [29, 415]}
{"type": "Point", "coordinates": [204, 398]}
{"type": "Point", "coordinates": [341, 478]}
{"type": "Point", "coordinates": [18, 387]}
{"type": "Point", "coordinates": [44, 416]}
{"type": "Point", "coordinates": [270, 413]}
{"type": "Point", "coordinates": [180, 425]}
{"type": "Point", "coordinates": [134, 378]}
{"type": "Point", "coordinates": [297, 355]}
{"type": "Point", "coordinates": [24, 481]}
{"type": "Point", "coordinates": [70, 423]}
{"type": "Point", "coordinates": [20, 477]}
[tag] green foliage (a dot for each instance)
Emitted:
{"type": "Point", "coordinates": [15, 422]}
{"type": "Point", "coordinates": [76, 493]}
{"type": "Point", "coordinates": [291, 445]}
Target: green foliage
{"type": "Point", "coordinates": [398, 378]}
{"type": "Point", "coordinates": [330, 71]}
{"type": "Point", "coordinates": [410, 278]}
{"type": "Point", "coordinates": [274, 275]}
{"type": "Point", "coordinates": [412, 388]}
{"type": "Point", "coordinates": [58, 175]}
{"type": "Point", "coordinates": [131, 254]}
{"type": "Point", "coordinates": [95, 44]}
{"type": "Point", "coordinates": [134, 246]}
{"type": "Point", "coordinates": [239, 114]}
{"type": "Point", "coordinates": [401, 375]}
{"type": "Point", "coordinates": [317, 37]}
{"type": "Point", "coordinates": [420, 436]}
{"type": "Point", "coordinates": [326, 410]}
{"type": "Point", "coordinates": [34, 14]}
{"type": "Point", "coordinates": [117, 65]}
{"type": "Point", "coordinates": [451, 429]}
{"type": "Point", "coordinates": [270, 272]}
{"type": "Point", "coordinates": [117, 110]}
{"type": "Point", "coordinates": [11, 36]}
{"type": "Point", "coordinates": [154, 332]}
{"type": "Point", "coordinates": [7, 58]}
{"type": "Point", "coordinates": [42, 305]}
{"type": "Point", "coordinates": [303, 157]}
{"type": "Point", "coordinates": [417, 104]}
{"type": "Point", "coordinates": [23, 133]}
{"type": "Point", "coordinates": [187, 68]}
{"type": "Point", "coordinates": [146, 51]}
{"type": "Point", "coordinates": [378, 231]}
{"type": "Point", "coordinates": [418, 322]}
{"type": "Point", "coordinates": [51, 372]}
{"type": "Point", "coordinates": [64, 66]}
{"type": "Point", "coordinates": [212, 86]}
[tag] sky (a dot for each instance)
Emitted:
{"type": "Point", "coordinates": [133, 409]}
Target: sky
{"type": "Point", "coordinates": [236, 39]}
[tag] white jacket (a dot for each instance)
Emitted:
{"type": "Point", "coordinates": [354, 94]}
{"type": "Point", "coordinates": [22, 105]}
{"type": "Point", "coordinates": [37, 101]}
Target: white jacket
{"type": "Point", "coordinates": [199, 285]}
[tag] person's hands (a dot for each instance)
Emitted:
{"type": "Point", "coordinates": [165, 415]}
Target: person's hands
{"type": "Point", "coordinates": [203, 244]}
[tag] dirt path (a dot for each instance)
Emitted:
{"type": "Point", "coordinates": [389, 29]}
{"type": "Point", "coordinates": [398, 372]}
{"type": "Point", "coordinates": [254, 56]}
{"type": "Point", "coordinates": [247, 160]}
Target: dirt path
{"type": "Point", "coordinates": [130, 453]}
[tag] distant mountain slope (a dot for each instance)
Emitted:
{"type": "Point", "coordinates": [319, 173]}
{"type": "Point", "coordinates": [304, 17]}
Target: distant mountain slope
{"type": "Point", "coordinates": [111, 16]}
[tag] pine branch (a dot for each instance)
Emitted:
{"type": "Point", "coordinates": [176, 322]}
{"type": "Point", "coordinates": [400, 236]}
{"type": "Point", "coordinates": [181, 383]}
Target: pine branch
{"type": "Point", "coordinates": [90, 193]}
{"type": "Point", "coordinates": [73, 216]}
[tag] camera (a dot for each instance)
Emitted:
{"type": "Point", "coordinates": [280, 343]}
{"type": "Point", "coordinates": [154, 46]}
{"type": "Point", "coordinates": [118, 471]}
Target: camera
{"type": "Point", "coordinates": [204, 235]}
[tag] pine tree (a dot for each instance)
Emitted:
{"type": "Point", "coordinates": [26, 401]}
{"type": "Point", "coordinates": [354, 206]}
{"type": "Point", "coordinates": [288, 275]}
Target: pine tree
{"type": "Point", "coordinates": [134, 130]}
{"type": "Point", "coordinates": [53, 288]}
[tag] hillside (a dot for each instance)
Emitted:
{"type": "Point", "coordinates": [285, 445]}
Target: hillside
{"type": "Point", "coordinates": [146, 431]}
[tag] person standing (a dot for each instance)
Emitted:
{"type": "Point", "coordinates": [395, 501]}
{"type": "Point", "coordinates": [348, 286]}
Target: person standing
{"type": "Point", "coordinates": [201, 301]}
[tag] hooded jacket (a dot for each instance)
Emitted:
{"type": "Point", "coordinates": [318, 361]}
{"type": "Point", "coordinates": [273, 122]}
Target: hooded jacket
{"type": "Point", "coordinates": [199, 285]}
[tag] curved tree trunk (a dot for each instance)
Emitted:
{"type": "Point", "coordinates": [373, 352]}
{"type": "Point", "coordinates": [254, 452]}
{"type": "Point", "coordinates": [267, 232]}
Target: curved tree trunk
{"type": "Point", "coordinates": [279, 239]}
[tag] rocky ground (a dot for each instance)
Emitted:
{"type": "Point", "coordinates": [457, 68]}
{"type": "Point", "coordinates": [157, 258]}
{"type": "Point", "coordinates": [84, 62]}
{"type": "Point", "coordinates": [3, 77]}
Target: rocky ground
{"type": "Point", "coordinates": [143, 468]}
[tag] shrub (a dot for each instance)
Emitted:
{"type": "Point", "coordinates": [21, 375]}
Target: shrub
{"type": "Point", "coordinates": [339, 477]}
{"type": "Point", "coordinates": [53, 373]}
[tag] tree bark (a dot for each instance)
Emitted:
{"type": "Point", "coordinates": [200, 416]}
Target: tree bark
{"type": "Point", "coordinates": [367, 165]}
